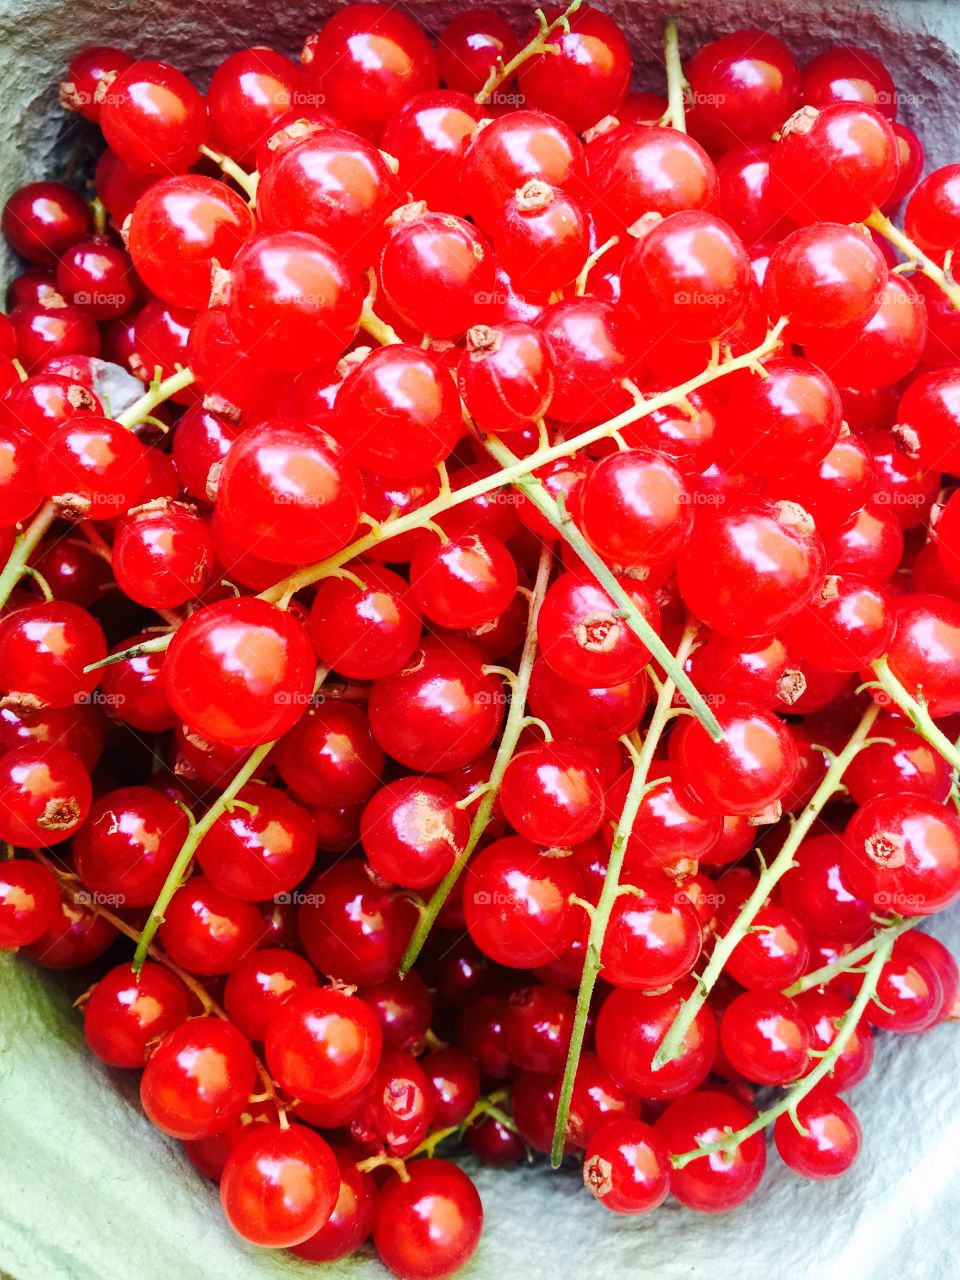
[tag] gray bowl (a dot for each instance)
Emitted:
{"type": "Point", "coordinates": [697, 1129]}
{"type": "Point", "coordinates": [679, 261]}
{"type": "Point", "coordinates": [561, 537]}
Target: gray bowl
{"type": "Point", "coordinates": [89, 1191]}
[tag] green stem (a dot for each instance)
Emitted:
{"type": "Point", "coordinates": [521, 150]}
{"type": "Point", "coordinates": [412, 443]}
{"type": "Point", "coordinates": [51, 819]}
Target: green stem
{"type": "Point", "coordinates": [672, 1046]}
{"type": "Point", "coordinates": [160, 390]}
{"type": "Point", "coordinates": [916, 710]}
{"type": "Point", "coordinates": [247, 182]}
{"type": "Point", "coordinates": [183, 859]}
{"type": "Point", "coordinates": [549, 508]}
{"type": "Point", "coordinates": [676, 82]}
{"type": "Point", "coordinates": [540, 43]}
{"type": "Point", "coordinates": [377, 329]}
{"type": "Point", "coordinates": [608, 895]}
{"type": "Point", "coordinates": [18, 562]}
{"type": "Point", "coordinates": [848, 1026]}
{"type": "Point", "coordinates": [161, 643]}
{"type": "Point", "coordinates": [512, 729]}
{"type": "Point", "coordinates": [309, 574]}
{"type": "Point", "coordinates": [880, 223]}
{"type": "Point", "coordinates": [844, 963]}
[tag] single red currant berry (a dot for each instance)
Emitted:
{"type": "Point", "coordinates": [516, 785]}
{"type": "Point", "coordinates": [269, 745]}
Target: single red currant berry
{"type": "Point", "coordinates": [687, 272]}
{"type": "Point", "coordinates": [249, 92]}
{"type": "Point", "coordinates": [507, 376]}
{"type": "Point", "coordinates": [335, 186]}
{"type": "Point", "coordinates": [583, 635]}
{"type": "Point", "coordinates": [293, 300]}
{"type": "Point", "coordinates": [366, 628]}
{"type": "Point", "coordinates": [262, 846]}
{"type": "Point", "coordinates": [744, 86]}
{"type": "Point", "coordinates": [636, 508]}
{"type": "Point", "coordinates": [44, 795]}
{"type": "Point", "coordinates": [721, 1181]}
{"type": "Point", "coordinates": [427, 1226]}
{"type": "Point", "coordinates": [42, 220]}
{"type": "Point", "coordinates": [765, 1037]}
{"type": "Point", "coordinates": [29, 902]}
{"type": "Point", "coordinates": [629, 179]}
{"type": "Point", "coordinates": [163, 556]}
{"type": "Point", "coordinates": [429, 137]}
{"type": "Point", "coordinates": [773, 954]}
{"type": "Point", "coordinates": [90, 73]}
{"type": "Point", "coordinates": [517, 905]}
{"type": "Point", "coordinates": [153, 118]}
{"type": "Point", "coordinates": [44, 650]}
{"type": "Point", "coordinates": [128, 1013]}
{"type": "Point", "coordinates": [95, 467]}
{"type": "Point", "coordinates": [747, 772]}
{"type": "Point", "coordinates": [925, 652]}
{"type": "Point", "coordinates": [471, 44]}
{"type": "Point", "coordinates": [239, 672]}
{"type": "Point", "coordinates": [551, 794]}
{"type": "Point", "coordinates": [932, 215]}
{"type": "Point", "coordinates": [198, 1079]}
{"type": "Point", "coordinates": [367, 61]}
{"type": "Point", "coordinates": [351, 927]}
{"type": "Point", "coordinates": [412, 831]}
{"type": "Point", "coordinates": [848, 626]}
{"type": "Point", "coordinates": [323, 1046]}
{"type": "Point", "coordinates": [206, 931]}
{"type": "Point", "coordinates": [330, 756]}
{"type": "Point", "coordinates": [542, 237]}
{"type": "Point", "coordinates": [126, 848]}
{"type": "Point", "coordinates": [903, 854]}
{"type": "Point", "coordinates": [897, 759]}
{"type": "Point", "coordinates": [653, 936]}
{"type": "Point", "coordinates": [97, 276]}
{"type": "Point", "coordinates": [398, 412]}
{"type": "Point", "coordinates": [626, 1167]}
{"type": "Point", "coordinates": [834, 165]}
{"type": "Point", "coordinates": [440, 711]}
{"type": "Point", "coordinates": [436, 271]}
{"type": "Point", "coordinates": [829, 1141]}
{"type": "Point", "coordinates": [824, 276]}
{"type": "Point", "coordinates": [749, 565]}
{"type": "Point", "coordinates": [630, 1029]}
{"type": "Point", "coordinates": [287, 491]}
{"type": "Point", "coordinates": [279, 1185]}
{"type": "Point", "coordinates": [179, 229]}
{"type": "Point", "coordinates": [463, 581]}
{"type": "Point", "coordinates": [818, 893]}
{"type": "Point", "coordinates": [879, 351]}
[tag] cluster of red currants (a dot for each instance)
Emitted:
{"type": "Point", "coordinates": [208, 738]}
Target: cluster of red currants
{"type": "Point", "coordinates": [631, 539]}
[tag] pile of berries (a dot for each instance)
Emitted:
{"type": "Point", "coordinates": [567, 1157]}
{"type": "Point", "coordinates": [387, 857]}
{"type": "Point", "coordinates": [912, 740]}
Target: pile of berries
{"type": "Point", "coordinates": [481, 611]}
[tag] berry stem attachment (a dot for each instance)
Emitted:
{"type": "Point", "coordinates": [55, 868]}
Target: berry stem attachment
{"type": "Point", "coordinates": [600, 916]}
{"type": "Point", "coordinates": [196, 834]}
{"type": "Point", "coordinates": [533, 489]}
{"type": "Point", "coordinates": [540, 43]}
{"type": "Point", "coordinates": [770, 875]}
{"type": "Point", "coordinates": [18, 562]}
{"type": "Point", "coordinates": [513, 727]}
{"type": "Point", "coordinates": [676, 81]}
{"type": "Point", "coordinates": [880, 223]}
{"type": "Point", "coordinates": [848, 1025]}
{"type": "Point", "coordinates": [247, 182]}
{"type": "Point", "coordinates": [916, 711]}
{"type": "Point", "coordinates": [844, 963]}
{"type": "Point", "coordinates": [160, 389]}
